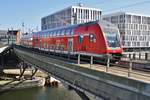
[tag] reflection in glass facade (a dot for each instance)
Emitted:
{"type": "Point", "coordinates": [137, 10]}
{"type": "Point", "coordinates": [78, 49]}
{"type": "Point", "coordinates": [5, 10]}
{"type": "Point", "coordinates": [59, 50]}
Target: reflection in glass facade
{"type": "Point", "coordinates": [134, 28]}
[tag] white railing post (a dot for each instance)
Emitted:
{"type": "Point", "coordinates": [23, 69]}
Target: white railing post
{"type": "Point", "coordinates": [79, 58]}
{"type": "Point", "coordinates": [108, 62]}
{"type": "Point", "coordinates": [130, 68]}
{"type": "Point", "coordinates": [91, 62]}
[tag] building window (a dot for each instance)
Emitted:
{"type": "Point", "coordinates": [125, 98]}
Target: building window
{"type": "Point", "coordinates": [136, 19]}
{"type": "Point", "coordinates": [128, 18]}
{"type": "Point", "coordinates": [92, 38]}
{"type": "Point", "coordinates": [121, 19]}
{"type": "Point", "coordinates": [80, 38]}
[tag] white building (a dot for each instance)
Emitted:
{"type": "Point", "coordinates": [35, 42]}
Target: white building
{"type": "Point", "coordinates": [134, 29]}
{"type": "Point", "coordinates": [69, 16]}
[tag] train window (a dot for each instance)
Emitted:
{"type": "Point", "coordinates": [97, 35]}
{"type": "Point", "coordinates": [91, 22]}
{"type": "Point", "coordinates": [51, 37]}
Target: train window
{"type": "Point", "coordinates": [72, 31]}
{"type": "Point", "coordinates": [92, 38]}
{"type": "Point", "coordinates": [56, 33]}
{"type": "Point", "coordinates": [49, 34]}
{"type": "Point", "coordinates": [60, 32]}
{"type": "Point", "coordinates": [68, 32]}
{"type": "Point", "coordinates": [53, 33]}
{"type": "Point", "coordinates": [46, 35]}
{"type": "Point", "coordinates": [41, 35]}
{"type": "Point", "coordinates": [80, 38]}
{"type": "Point", "coordinates": [63, 32]}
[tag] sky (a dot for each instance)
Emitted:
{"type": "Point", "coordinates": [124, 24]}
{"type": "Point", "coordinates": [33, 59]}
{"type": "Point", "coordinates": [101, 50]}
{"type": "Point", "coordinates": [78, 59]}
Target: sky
{"type": "Point", "coordinates": [30, 12]}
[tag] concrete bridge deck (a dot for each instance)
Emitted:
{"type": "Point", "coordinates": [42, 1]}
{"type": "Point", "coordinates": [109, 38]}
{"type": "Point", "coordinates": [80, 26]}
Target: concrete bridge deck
{"type": "Point", "coordinates": [94, 80]}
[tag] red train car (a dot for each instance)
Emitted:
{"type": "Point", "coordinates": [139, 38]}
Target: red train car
{"type": "Point", "coordinates": [97, 37]}
{"type": "Point", "coordinates": [27, 40]}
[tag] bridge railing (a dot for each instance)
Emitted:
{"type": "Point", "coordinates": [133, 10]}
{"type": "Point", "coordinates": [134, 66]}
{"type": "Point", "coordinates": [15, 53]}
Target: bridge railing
{"type": "Point", "coordinates": [132, 66]}
{"type": "Point", "coordinates": [108, 61]}
{"type": "Point", "coordinates": [70, 70]}
{"type": "Point", "coordinates": [144, 56]}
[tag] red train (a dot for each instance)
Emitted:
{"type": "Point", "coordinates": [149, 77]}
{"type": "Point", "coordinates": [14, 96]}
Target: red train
{"type": "Point", "coordinates": [97, 37]}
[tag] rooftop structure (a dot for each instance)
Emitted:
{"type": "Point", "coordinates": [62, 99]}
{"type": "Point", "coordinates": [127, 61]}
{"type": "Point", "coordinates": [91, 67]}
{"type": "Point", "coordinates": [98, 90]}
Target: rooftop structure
{"type": "Point", "coordinates": [69, 16]}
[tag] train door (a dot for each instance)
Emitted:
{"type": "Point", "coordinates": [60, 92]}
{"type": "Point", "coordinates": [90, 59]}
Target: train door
{"type": "Point", "coordinates": [70, 44]}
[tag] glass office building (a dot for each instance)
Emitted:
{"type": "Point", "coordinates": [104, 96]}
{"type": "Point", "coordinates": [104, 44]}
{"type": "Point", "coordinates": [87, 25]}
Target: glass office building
{"type": "Point", "coordinates": [134, 29]}
{"type": "Point", "coordinates": [70, 16]}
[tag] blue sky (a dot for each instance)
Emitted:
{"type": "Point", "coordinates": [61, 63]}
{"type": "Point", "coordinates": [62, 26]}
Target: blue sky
{"type": "Point", "coordinates": [14, 12]}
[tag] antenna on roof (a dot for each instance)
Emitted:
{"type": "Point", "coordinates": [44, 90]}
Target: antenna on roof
{"type": "Point", "coordinates": [80, 4]}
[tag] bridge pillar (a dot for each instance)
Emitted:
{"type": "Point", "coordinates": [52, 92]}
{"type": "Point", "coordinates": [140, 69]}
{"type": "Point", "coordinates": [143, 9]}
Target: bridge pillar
{"type": "Point", "coordinates": [50, 81]}
{"type": "Point", "coordinates": [23, 67]}
{"type": "Point", "coordinates": [33, 72]}
{"type": "Point", "coordinates": [47, 81]}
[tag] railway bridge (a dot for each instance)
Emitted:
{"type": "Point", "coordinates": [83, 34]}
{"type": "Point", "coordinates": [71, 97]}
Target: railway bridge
{"type": "Point", "coordinates": [99, 81]}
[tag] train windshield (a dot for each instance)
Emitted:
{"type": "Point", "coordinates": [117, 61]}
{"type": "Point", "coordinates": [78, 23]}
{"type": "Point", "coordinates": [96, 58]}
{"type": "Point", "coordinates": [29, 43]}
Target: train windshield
{"type": "Point", "coordinates": [112, 36]}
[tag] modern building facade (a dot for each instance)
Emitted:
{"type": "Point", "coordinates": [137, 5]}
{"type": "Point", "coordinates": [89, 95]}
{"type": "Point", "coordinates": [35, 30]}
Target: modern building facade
{"type": "Point", "coordinates": [69, 16]}
{"type": "Point", "coordinates": [9, 36]}
{"type": "Point", "coordinates": [3, 37]}
{"type": "Point", "coordinates": [134, 29]}
{"type": "Point", "coordinates": [14, 36]}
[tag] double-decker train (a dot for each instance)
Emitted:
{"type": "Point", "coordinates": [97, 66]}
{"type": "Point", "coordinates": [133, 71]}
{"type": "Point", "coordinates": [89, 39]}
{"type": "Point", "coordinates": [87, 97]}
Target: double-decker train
{"type": "Point", "coordinates": [96, 37]}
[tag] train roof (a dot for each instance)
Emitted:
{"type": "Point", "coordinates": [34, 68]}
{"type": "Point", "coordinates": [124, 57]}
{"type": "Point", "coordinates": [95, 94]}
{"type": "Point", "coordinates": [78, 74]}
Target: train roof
{"type": "Point", "coordinates": [106, 24]}
{"type": "Point", "coordinates": [29, 35]}
{"type": "Point", "coordinates": [102, 23]}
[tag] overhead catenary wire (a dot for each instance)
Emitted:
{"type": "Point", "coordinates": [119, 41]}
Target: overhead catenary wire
{"type": "Point", "coordinates": [129, 5]}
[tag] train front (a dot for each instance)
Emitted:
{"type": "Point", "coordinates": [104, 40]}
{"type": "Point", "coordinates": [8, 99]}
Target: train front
{"type": "Point", "coordinates": [112, 39]}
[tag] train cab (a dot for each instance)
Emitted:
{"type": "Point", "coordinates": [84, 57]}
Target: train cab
{"type": "Point", "coordinates": [112, 38]}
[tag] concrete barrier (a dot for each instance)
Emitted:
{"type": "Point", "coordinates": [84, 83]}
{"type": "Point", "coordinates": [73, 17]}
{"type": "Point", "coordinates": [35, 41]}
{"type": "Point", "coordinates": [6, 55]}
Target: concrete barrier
{"type": "Point", "coordinates": [100, 84]}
